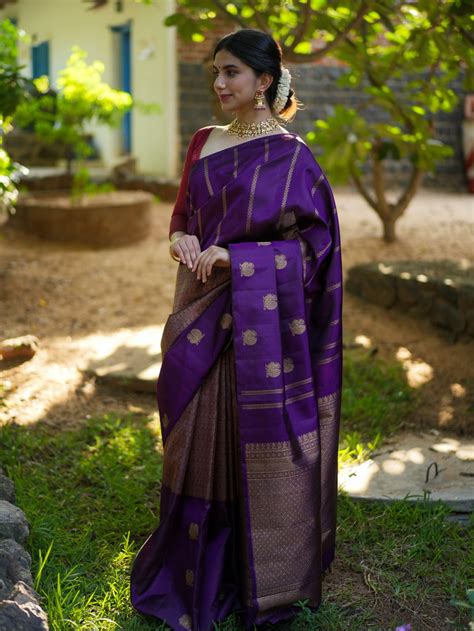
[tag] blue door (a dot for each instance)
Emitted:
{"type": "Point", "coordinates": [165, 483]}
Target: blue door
{"type": "Point", "coordinates": [125, 79]}
{"type": "Point", "coordinates": [40, 59]}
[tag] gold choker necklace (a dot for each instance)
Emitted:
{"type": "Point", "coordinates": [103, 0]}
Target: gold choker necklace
{"type": "Point", "coordinates": [249, 130]}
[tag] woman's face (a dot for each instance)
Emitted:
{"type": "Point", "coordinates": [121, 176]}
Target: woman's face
{"type": "Point", "coordinates": [235, 83]}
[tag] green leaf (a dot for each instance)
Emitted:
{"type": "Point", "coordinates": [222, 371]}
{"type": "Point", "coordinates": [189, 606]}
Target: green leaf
{"type": "Point", "coordinates": [247, 12]}
{"type": "Point", "coordinates": [304, 48]}
{"type": "Point", "coordinates": [172, 20]}
{"type": "Point", "coordinates": [231, 9]}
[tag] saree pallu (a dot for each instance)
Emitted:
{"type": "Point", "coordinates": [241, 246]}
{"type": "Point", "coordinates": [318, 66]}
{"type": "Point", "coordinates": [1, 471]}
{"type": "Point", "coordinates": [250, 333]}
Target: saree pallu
{"type": "Point", "coordinates": [249, 397]}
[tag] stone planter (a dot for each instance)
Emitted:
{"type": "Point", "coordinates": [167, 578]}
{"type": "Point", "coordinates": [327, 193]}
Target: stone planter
{"type": "Point", "coordinates": [103, 219]}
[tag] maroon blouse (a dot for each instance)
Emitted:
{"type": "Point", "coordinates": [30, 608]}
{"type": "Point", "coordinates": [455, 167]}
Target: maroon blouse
{"type": "Point", "coordinates": [178, 217]}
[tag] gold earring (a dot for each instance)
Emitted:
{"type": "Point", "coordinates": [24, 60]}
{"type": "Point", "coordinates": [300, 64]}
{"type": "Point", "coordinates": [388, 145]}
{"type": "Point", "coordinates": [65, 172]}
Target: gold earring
{"type": "Point", "coordinates": [259, 100]}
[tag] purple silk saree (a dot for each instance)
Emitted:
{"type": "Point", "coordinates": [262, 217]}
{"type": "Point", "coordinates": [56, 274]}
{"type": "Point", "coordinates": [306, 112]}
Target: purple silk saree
{"type": "Point", "coordinates": [249, 396]}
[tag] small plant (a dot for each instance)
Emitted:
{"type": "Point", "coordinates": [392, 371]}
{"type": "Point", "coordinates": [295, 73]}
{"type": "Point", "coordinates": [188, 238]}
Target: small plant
{"type": "Point", "coordinates": [83, 185]}
{"type": "Point", "coordinates": [355, 449]}
{"type": "Point", "coordinates": [9, 175]}
{"type": "Point", "coordinates": [13, 90]}
{"type": "Point", "coordinates": [61, 117]}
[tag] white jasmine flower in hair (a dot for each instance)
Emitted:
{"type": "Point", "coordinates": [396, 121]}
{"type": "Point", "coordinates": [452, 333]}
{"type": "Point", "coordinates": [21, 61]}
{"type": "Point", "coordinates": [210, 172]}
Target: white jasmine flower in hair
{"type": "Point", "coordinates": [283, 90]}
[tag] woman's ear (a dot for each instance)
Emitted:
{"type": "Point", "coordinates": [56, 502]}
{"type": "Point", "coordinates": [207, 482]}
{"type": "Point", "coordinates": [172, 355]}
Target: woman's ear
{"type": "Point", "coordinates": [265, 81]}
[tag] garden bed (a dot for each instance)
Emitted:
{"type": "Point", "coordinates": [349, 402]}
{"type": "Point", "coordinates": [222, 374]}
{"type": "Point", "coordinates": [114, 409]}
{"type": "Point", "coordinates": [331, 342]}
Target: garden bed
{"type": "Point", "coordinates": [102, 219]}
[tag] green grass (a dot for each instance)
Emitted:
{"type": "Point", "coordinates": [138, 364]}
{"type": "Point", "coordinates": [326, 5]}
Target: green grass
{"type": "Point", "coordinates": [84, 492]}
{"type": "Point", "coordinates": [91, 496]}
{"type": "Point", "coordinates": [376, 400]}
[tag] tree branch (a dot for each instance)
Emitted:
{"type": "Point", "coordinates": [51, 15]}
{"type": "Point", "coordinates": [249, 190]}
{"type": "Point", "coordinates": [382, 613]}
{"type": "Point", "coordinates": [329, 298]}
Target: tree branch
{"type": "Point", "coordinates": [303, 25]}
{"type": "Point", "coordinates": [290, 55]}
{"type": "Point", "coordinates": [365, 194]}
{"type": "Point", "coordinates": [410, 191]}
{"type": "Point", "coordinates": [379, 185]}
{"type": "Point", "coordinates": [261, 22]}
{"type": "Point", "coordinates": [223, 11]}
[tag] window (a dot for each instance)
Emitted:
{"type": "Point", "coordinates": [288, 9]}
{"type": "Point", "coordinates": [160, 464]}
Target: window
{"type": "Point", "coordinates": [40, 59]}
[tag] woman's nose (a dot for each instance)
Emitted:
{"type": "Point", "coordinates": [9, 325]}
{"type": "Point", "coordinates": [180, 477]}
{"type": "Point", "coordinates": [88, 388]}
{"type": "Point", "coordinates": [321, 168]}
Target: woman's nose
{"type": "Point", "coordinates": [219, 83]}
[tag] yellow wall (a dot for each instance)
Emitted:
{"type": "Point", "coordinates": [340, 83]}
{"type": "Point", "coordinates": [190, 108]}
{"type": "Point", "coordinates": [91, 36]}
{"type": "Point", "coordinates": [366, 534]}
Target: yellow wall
{"type": "Point", "coordinates": [65, 23]}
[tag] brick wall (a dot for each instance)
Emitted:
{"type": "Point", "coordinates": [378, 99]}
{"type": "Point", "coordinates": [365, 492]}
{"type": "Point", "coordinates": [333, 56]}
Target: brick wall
{"type": "Point", "coordinates": [198, 52]}
{"type": "Point", "coordinates": [315, 86]}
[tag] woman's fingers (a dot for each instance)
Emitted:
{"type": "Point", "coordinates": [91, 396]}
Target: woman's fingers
{"type": "Point", "coordinates": [204, 266]}
{"type": "Point", "coordinates": [176, 250]}
{"type": "Point", "coordinates": [184, 247]}
{"type": "Point", "coordinates": [209, 267]}
{"type": "Point", "coordinates": [184, 254]}
{"type": "Point", "coordinates": [197, 260]}
{"type": "Point", "coordinates": [206, 260]}
{"type": "Point", "coordinates": [195, 250]}
{"type": "Point", "coordinates": [200, 266]}
{"type": "Point", "coordinates": [196, 263]}
{"type": "Point", "coordinates": [187, 248]}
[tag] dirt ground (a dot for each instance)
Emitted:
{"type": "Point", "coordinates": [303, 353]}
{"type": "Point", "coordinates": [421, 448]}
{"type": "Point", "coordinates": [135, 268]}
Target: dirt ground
{"type": "Point", "coordinates": [74, 298]}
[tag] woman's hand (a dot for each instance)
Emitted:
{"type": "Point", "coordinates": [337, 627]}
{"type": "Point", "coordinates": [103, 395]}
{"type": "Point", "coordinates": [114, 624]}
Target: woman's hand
{"type": "Point", "coordinates": [214, 255]}
{"type": "Point", "coordinates": [186, 248]}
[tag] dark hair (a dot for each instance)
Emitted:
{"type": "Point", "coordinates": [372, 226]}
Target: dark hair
{"type": "Point", "coordinates": [263, 54]}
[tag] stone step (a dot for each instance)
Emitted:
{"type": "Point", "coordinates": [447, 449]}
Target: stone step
{"type": "Point", "coordinates": [413, 466]}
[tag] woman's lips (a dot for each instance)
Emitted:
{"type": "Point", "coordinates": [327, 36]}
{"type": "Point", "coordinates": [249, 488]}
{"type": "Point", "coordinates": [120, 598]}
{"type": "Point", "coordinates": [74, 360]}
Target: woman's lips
{"type": "Point", "coordinates": [223, 97]}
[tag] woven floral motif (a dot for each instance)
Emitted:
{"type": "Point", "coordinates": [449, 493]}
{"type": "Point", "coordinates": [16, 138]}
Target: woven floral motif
{"type": "Point", "coordinates": [272, 369]}
{"type": "Point", "coordinates": [280, 261]}
{"type": "Point", "coordinates": [226, 321]}
{"type": "Point", "coordinates": [288, 365]}
{"type": "Point", "coordinates": [189, 577]}
{"type": "Point", "coordinates": [297, 327]}
{"type": "Point", "coordinates": [193, 530]}
{"type": "Point", "coordinates": [270, 301]}
{"type": "Point", "coordinates": [195, 336]}
{"type": "Point", "coordinates": [165, 420]}
{"type": "Point", "coordinates": [185, 621]}
{"type": "Point", "coordinates": [247, 268]}
{"type": "Point", "coordinates": [249, 337]}
{"type": "Point", "coordinates": [264, 242]}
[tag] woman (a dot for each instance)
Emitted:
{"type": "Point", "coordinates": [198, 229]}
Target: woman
{"type": "Point", "coordinates": [249, 389]}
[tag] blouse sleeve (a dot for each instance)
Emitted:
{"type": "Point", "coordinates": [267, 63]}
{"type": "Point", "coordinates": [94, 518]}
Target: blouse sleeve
{"type": "Point", "coordinates": [179, 218]}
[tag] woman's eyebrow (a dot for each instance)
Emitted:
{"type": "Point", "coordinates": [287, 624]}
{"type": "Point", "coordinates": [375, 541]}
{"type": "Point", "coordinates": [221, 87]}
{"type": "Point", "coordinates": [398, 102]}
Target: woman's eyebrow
{"type": "Point", "coordinates": [225, 67]}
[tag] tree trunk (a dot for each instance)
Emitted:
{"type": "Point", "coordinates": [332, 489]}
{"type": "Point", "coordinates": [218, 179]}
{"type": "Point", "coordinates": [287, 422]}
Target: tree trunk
{"type": "Point", "coordinates": [389, 235]}
{"type": "Point", "coordinates": [388, 213]}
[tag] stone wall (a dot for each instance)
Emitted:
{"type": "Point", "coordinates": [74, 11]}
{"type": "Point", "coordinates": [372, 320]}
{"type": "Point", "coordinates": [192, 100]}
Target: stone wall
{"type": "Point", "coordinates": [441, 292]}
{"type": "Point", "coordinates": [19, 603]}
